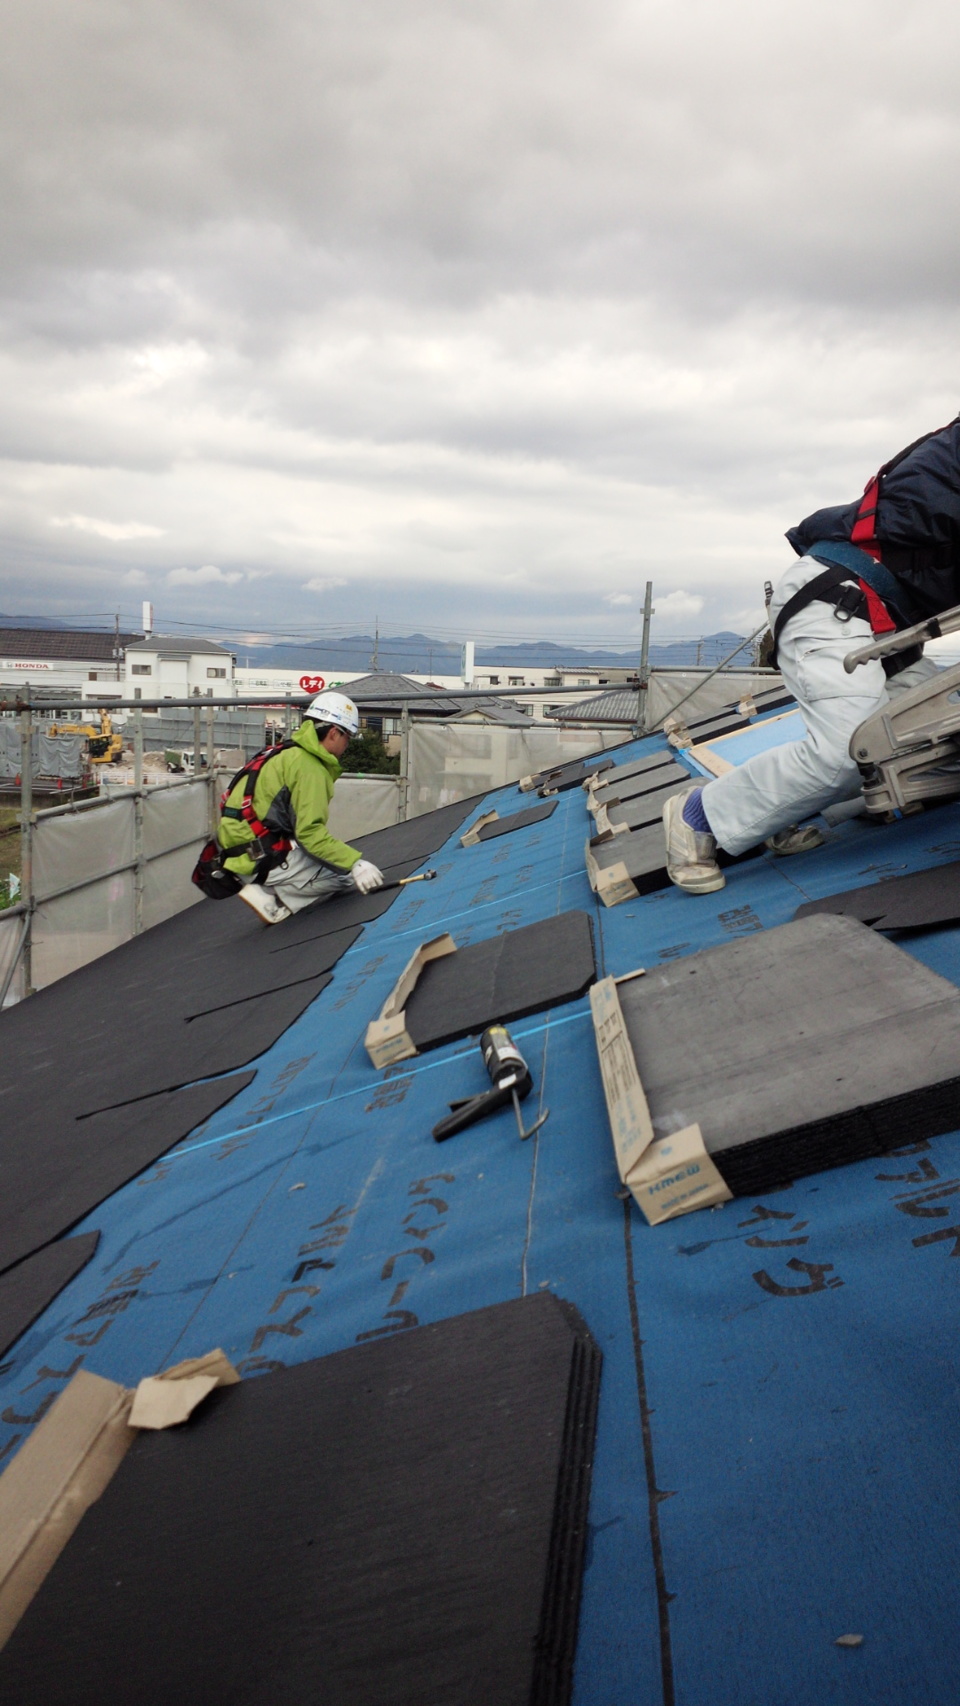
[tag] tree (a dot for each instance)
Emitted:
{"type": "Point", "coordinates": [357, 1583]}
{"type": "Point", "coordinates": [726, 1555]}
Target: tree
{"type": "Point", "coordinates": [368, 754]}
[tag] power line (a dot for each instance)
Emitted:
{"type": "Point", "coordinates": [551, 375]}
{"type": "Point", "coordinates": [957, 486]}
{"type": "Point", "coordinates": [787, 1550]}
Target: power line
{"type": "Point", "coordinates": [441, 638]}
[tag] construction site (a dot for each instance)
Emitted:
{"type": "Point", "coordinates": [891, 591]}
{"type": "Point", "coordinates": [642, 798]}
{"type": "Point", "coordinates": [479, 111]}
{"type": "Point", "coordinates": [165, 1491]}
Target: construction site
{"type": "Point", "coordinates": [344, 1358]}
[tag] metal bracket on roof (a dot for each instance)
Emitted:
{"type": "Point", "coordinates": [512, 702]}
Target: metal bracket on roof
{"type": "Point", "coordinates": [908, 751]}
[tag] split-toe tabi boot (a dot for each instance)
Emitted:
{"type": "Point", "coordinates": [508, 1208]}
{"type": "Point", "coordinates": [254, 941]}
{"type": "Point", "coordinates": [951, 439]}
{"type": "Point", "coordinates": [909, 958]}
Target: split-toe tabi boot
{"type": "Point", "coordinates": [264, 904]}
{"type": "Point", "coordinates": [691, 854]}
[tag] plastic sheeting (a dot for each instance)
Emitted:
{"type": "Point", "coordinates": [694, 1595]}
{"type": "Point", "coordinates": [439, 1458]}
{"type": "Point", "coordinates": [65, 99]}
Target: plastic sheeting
{"type": "Point", "coordinates": [453, 763]}
{"type": "Point", "coordinates": [57, 757]}
{"type": "Point", "coordinates": [362, 804]}
{"type": "Point", "coordinates": [665, 691]}
{"type": "Point", "coordinates": [80, 926]}
{"type": "Point", "coordinates": [60, 756]}
{"type": "Point", "coordinates": [96, 847]}
{"type": "Point", "coordinates": [11, 929]}
{"type": "Point", "coordinates": [172, 816]}
{"type": "Point", "coordinates": [167, 888]}
{"type": "Point", "coordinates": [76, 846]}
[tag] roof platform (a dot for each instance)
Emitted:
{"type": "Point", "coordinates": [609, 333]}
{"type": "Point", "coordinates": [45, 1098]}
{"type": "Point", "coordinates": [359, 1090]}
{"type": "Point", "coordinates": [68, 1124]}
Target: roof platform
{"type": "Point", "coordinates": [777, 1460]}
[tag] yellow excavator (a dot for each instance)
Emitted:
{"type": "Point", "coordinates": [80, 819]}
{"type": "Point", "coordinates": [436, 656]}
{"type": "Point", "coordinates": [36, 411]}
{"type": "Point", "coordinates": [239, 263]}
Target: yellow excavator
{"type": "Point", "coordinates": [103, 745]}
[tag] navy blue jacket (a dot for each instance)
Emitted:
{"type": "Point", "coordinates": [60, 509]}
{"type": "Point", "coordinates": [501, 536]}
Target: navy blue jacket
{"type": "Point", "coordinates": [918, 521]}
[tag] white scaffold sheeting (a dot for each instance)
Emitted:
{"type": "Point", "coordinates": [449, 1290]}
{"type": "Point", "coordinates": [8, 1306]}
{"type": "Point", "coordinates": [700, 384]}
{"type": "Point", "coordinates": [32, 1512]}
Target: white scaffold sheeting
{"type": "Point", "coordinates": [666, 691]}
{"type": "Point", "coordinates": [75, 847]}
{"type": "Point", "coordinates": [172, 816]}
{"type": "Point", "coordinates": [452, 763]}
{"type": "Point", "coordinates": [175, 827]}
{"type": "Point", "coordinates": [11, 938]}
{"type": "Point", "coordinates": [362, 804]}
{"type": "Point", "coordinates": [77, 927]}
{"type": "Point", "coordinates": [90, 852]}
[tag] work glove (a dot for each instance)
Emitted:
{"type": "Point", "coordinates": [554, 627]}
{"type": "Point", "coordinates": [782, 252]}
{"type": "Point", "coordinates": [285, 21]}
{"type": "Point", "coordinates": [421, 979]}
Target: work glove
{"type": "Point", "coordinates": [366, 876]}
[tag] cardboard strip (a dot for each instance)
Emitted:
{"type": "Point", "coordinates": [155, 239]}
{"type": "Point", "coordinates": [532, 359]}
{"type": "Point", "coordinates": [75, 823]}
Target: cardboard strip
{"type": "Point", "coordinates": [605, 829]}
{"type": "Point", "coordinates": [675, 1176]}
{"type": "Point", "coordinates": [386, 1038]}
{"type": "Point", "coordinates": [612, 884]}
{"type": "Point", "coordinates": [666, 1176]}
{"type": "Point", "coordinates": [677, 733]}
{"type": "Point", "coordinates": [472, 836]}
{"type": "Point", "coordinates": [56, 1475]}
{"type": "Point", "coordinates": [72, 1454]}
{"type": "Point", "coordinates": [165, 1400]}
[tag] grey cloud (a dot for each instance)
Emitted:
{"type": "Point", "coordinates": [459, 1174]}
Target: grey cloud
{"type": "Point", "coordinates": [540, 297]}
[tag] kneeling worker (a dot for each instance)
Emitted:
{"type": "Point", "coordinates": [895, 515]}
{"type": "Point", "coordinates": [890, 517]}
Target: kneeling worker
{"type": "Point", "coordinates": [874, 566]}
{"type": "Point", "coordinates": [291, 798]}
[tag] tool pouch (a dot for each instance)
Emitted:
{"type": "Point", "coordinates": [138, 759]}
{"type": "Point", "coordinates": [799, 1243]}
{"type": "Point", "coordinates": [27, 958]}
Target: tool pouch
{"type": "Point", "coordinates": [210, 876]}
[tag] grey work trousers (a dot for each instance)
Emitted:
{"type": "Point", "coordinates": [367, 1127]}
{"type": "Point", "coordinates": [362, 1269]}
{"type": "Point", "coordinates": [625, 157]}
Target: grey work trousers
{"type": "Point", "coordinates": [789, 783]}
{"type": "Point", "coordinates": [301, 880]}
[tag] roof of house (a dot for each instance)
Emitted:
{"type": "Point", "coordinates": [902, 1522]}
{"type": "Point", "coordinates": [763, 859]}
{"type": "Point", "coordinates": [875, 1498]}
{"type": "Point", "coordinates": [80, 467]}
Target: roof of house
{"type": "Point", "coordinates": [617, 707]}
{"type": "Point", "coordinates": [177, 645]}
{"type": "Point", "coordinates": [381, 693]}
{"type": "Point", "coordinates": [778, 1426]}
{"type": "Point", "coordinates": [499, 711]}
{"type": "Point", "coordinates": [66, 643]}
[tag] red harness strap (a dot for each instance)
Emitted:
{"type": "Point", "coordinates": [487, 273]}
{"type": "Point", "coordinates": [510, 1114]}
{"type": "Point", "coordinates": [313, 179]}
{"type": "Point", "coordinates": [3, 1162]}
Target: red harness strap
{"type": "Point", "coordinates": [275, 842]}
{"type": "Point", "coordinates": [878, 615]}
{"type": "Point", "coordinates": [865, 527]}
{"type": "Point", "coordinates": [864, 534]}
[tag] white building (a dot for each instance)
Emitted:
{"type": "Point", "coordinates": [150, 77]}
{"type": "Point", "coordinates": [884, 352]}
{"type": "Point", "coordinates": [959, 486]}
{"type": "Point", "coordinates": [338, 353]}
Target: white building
{"type": "Point", "coordinates": [592, 680]}
{"type": "Point", "coordinates": [175, 666]}
{"type": "Point", "coordinates": [272, 685]}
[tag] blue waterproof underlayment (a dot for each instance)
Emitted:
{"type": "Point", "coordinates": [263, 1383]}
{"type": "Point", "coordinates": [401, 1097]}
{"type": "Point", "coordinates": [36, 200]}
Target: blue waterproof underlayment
{"type": "Point", "coordinates": [766, 732]}
{"type": "Point", "coordinates": [778, 1458]}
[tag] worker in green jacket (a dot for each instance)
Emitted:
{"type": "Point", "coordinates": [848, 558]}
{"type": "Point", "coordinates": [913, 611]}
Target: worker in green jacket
{"type": "Point", "coordinates": [291, 798]}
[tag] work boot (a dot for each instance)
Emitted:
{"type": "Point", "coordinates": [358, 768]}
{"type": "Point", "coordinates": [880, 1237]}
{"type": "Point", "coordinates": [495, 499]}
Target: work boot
{"type": "Point", "coordinates": [796, 838]}
{"type": "Point", "coordinates": [691, 854]}
{"type": "Point", "coordinates": [264, 904]}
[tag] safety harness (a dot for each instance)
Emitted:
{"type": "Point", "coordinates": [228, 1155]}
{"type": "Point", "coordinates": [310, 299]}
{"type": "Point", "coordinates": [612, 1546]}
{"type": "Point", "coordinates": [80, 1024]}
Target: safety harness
{"type": "Point", "coordinates": [267, 847]}
{"type": "Point", "coordinates": [861, 586]}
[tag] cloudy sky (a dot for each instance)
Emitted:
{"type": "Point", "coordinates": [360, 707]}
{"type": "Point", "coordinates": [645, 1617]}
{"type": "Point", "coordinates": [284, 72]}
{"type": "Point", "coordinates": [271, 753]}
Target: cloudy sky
{"type": "Point", "coordinates": [473, 316]}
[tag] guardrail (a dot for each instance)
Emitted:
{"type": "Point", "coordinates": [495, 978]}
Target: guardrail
{"type": "Point", "coordinates": [130, 856]}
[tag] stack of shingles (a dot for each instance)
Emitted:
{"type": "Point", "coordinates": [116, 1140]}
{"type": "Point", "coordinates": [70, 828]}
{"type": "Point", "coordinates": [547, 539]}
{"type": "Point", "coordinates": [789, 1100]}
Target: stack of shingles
{"type": "Point", "coordinates": [100, 1072]}
{"type": "Point", "coordinates": [400, 1524]}
{"type": "Point", "coordinates": [807, 1046]}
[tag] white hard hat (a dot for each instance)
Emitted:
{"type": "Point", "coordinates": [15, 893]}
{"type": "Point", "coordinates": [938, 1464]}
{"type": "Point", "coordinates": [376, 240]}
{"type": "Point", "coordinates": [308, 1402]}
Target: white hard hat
{"type": "Point", "coordinates": [337, 709]}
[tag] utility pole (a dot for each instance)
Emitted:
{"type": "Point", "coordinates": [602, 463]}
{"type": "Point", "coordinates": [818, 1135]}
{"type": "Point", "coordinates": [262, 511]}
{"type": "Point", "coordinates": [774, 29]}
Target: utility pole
{"type": "Point", "coordinates": [26, 839]}
{"type": "Point", "coordinates": [644, 677]}
{"type": "Point", "coordinates": [375, 660]}
{"type": "Point", "coordinates": [116, 642]}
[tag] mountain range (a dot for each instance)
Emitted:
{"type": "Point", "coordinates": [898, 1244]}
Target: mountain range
{"type": "Point", "coordinates": [418, 654]}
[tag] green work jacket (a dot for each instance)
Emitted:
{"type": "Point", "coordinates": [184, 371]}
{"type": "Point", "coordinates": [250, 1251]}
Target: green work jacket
{"type": "Point", "coordinates": [292, 796]}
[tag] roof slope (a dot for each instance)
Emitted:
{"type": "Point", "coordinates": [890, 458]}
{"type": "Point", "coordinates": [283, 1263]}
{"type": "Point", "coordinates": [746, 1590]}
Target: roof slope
{"type": "Point", "coordinates": [63, 643]}
{"type": "Point", "coordinates": [777, 1455]}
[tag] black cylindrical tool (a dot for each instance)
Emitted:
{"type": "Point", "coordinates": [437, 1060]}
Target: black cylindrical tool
{"type": "Point", "coordinates": [511, 1079]}
{"type": "Point", "coordinates": [501, 1057]}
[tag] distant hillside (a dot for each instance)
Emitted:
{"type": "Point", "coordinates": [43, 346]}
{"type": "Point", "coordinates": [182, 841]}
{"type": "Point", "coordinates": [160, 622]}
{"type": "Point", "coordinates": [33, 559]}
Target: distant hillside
{"type": "Point", "coordinates": [417, 654]}
{"type": "Point", "coordinates": [49, 622]}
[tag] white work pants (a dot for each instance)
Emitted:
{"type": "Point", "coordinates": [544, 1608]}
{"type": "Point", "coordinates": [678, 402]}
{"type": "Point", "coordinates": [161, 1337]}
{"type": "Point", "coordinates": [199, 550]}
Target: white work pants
{"type": "Point", "coordinates": [301, 880]}
{"type": "Point", "coordinates": [795, 781]}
